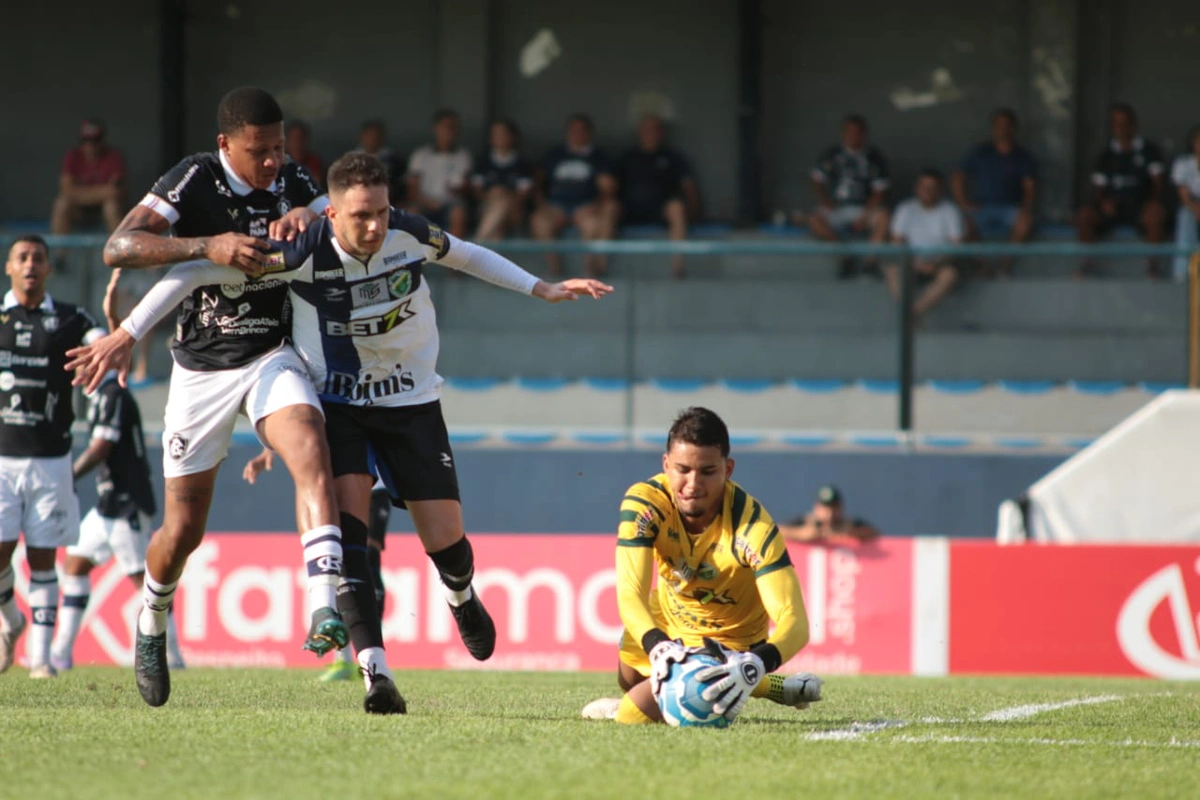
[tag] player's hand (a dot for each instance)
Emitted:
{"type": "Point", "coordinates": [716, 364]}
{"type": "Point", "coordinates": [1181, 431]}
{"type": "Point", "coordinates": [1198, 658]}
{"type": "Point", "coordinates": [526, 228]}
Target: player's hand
{"type": "Point", "coordinates": [238, 251]}
{"type": "Point", "coordinates": [662, 656]}
{"type": "Point", "coordinates": [570, 290]}
{"type": "Point", "coordinates": [731, 684]}
{"type": "Point", "coordinates": [291, 224]}
{"type": "Point", "coordinates": [92, 362]}
{"type": "Point", "coordinates": [260, 463]}
{"type": "Point", "coordinates": [109, 307]}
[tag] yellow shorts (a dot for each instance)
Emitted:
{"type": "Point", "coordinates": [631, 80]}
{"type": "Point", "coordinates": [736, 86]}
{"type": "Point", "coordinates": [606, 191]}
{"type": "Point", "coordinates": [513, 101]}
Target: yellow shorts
{"type": "Point", "coordinates": [634, 656]}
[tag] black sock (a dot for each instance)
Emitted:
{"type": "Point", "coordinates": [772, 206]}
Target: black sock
{"type": "Point", "coordinates": [373, 559]}
{"type": "Point", "coordinates": [356, 592]}
{"type": "Point", "coordinates": [455, 565]}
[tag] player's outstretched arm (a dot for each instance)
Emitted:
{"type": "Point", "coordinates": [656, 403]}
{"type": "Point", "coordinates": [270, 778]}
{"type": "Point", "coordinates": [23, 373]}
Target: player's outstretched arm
{"type": "Point", "coordinates": [490, 266]}
{"type": "Point", "coordinates": [571, 289]}
{"type": "Point", "coordinates": [138, 242]}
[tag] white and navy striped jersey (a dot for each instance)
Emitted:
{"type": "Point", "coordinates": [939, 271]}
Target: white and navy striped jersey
{"type": "Point", "coordinates": [367, 331]}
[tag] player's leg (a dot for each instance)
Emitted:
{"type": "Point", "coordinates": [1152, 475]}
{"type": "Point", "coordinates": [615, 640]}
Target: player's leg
{"type": "Point", "coordinates": [381, 513]}
{"type": "Point", "coordinates": [286, 414]}
{"type": "Point", "coordinates": [43, 608]}
{"type": "Point", "coordinates": [12, 621]}
{"type": "Point", "coordinates": [91, 549]}
{"type": "Point", "coordinates": [675, 215]}
{"type": "Point", "coordinates": [637, 706]}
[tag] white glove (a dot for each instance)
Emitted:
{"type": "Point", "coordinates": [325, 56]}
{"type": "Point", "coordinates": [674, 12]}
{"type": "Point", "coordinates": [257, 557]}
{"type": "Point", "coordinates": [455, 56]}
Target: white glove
{"type": "Point", "coordinates": [662, 656]}
{"type": "Point", "coordinates": [731, 683]}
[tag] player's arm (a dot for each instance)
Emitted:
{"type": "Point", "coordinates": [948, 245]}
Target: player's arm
{"type": "Point", "coordinates": [779, 590]}
{"type": "Point", "coordinates": [643, 511]}
{"type": "Point", "coordinates": [106, 432]}
{"type": "Point", "coordinates": [97, 452]}
{"type": "Point", "coordinates": [138, 243]}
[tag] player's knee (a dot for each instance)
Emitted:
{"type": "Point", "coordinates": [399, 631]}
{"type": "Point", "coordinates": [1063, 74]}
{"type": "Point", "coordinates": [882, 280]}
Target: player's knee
{"type": "Point", "coordinates": [178, 538]}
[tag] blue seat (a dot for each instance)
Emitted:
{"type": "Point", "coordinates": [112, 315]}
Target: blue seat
{"type": "Point", "coordinates": [819, 386]}
{"type": "Point", "coordinates": [1096, 387]}
{"type": "Point", "coordinates": [1027, 387]}
{"type": "Point", "coordinates": [528, 439]}
{"type": "Point", "coordinates": [583, 437]}
{"type": "Point", "coordinates": [956, 387]}
{"type": "Point", "coordinates": [876, 440]}
{"type": "Point", "coordinates": [542, 384]}
{"type": "Point", "coordinates": [807, 440]}
{"type": "Point", "coordinates": [607, 384]}
{"type": "Point", "coordinates": [473, 384]}
{"type": "Point", "coordinates": [879, 386]}
{"type": "Point", "coordinates": [679, 384]}
{"type": "Point", "coordinates": [747, 386]}
{"type": "Point", "coordinates": [945, 442]}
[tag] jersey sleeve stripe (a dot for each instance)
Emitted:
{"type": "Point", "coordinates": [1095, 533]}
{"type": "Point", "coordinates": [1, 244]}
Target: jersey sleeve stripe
{"type": "Point", "coordinates": [639, 542]}
{"type": "Point", "coordinates": [161, 207]}
{"type": "Point", "coordinates": [770, 538]}
{"type": "Point", "coordinates": [784, 561]}
{"type": "Point", "coordinates": [755, 513]}
{"type": "Point", "coordinates": [644, 502]}
{"type": "Point", "coordinates": [106, 433]}
{"type": "Point", "coordinates": [739, 504]}
{"type": "Point", "coordinates": [658, 486]}
{"type": "Point", "coordinates": [629, 515]}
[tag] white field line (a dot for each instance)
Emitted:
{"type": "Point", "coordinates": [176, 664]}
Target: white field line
{"type": "Point", "coordinates": [1172, 743]}
{"type": "Point", "coordinates": [1025, 712]}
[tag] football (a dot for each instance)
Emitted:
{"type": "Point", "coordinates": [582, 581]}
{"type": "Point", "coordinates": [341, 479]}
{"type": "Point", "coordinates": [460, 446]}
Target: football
{"type": "Point", "coordinates": [679, 698]}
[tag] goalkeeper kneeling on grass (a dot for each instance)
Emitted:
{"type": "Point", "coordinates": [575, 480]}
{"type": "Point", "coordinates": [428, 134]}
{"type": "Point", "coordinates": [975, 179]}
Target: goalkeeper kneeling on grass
{"type": "Point", "coordinates": [723, 574]}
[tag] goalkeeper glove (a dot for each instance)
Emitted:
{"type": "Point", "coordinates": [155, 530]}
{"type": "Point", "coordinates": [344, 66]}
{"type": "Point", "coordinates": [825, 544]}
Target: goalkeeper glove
{"type": "Point", "coordinates": [662, 656]}
{"type": "Point", "coordinates": [731, 683]}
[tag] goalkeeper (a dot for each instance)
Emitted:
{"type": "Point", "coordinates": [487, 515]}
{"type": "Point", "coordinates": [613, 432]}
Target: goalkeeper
{"type": "Point", "coordinates": [723, 573]}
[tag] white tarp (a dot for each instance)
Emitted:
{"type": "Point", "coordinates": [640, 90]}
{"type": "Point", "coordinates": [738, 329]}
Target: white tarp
{"type": "Point", "coordinates": [1140, 482]}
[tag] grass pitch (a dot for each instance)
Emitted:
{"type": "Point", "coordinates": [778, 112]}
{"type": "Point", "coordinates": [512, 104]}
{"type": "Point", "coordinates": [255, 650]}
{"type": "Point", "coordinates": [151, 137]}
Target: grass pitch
{"type": "Point", "coordinates": [266, 733]}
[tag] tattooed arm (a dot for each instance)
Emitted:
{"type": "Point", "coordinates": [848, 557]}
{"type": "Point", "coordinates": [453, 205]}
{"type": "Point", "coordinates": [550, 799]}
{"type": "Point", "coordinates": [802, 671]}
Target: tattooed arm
{"type": "Point", "coordinates": [138, 242]}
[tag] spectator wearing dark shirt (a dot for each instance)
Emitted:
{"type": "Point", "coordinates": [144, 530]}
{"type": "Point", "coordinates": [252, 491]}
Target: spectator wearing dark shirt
{"type": "Point", "coordinates": [850, 181]}
{"type": "Point", "coordinates": [996, 186]}
{"type": "Point", "coordinates": [827, 523]}
{"type": "Point", "coordinates": [372, 139]}
{"type": "Point", "coordinates": [92, 176]}
{"type": "Point", "coordinates": [298, 144]}
{"type": "Point", "coordinates": [657, 185]}
{"type": "Point", "coordinates": [576, 186]}
{"type": "Point", "coordinates": [1127, 184]}
{"type": "Point", "coordinates": [502, 183]}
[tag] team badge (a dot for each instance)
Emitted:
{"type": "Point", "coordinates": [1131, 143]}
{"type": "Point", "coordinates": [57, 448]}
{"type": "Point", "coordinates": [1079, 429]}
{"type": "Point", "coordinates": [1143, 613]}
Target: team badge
{"type": "Point", "coordinates": [400, 283]}
{"type": "Point", "coordinates": [275, 262]}
{"type": "Point", "coordinates": [645, 525]}
{"type": "Point", "coordinates": [177, 447]}
{"type": "Point", "coordinates": [437, 240]}
{"type": "Point", "coordinates": [50, 324]}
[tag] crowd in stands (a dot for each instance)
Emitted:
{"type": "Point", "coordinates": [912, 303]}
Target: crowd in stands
{"type": "Point", "coordinates": [991, 194]}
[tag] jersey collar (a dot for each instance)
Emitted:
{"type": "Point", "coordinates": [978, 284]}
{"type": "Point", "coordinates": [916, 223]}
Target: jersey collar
{"type": "Point", "coordinates": [239, 186]}
{"type": "Point", "coordinates": [11, 301]}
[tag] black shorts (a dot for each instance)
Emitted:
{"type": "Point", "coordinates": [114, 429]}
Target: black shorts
{"type": "Point", "coordinates": [408, 448]}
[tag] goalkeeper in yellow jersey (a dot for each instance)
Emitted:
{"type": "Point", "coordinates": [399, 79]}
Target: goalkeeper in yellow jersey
{"type": "Point", "coordinates": [723, 574]}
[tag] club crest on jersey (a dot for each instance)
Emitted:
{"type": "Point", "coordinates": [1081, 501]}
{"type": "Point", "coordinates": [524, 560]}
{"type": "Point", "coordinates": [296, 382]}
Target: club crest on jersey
{"type": "Point", "coordinates": [437, 239]}
{"type": "Point", "coordinates": [177, 447]}
{"type": "Point", "coordinates": [50, 324]}
{"type": "Point", "coordinates": [233, 212]}
{"type": "Point", "coordinates": [400, 283]}
{"type": "Point", "coordinates": [275, 262]}
{"type": "Point", "coordinates": [646, 529]}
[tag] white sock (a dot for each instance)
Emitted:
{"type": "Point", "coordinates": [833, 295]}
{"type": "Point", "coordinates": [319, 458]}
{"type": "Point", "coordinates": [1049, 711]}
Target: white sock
{"type": "Point", "coordinates": [457, 597]}
{"type": "Point", "coordinates": [373, 659]}
{"type": "Point", "coordinates": [323, 558]}
{"type": "Point", "coordinates": [8, 603]}
{"type": "Point", "coordinates": [157, 600]}
{"type": "Point", "coordinates": [43, 606]}
{"type": "Point", "coordinates": [75, 592]}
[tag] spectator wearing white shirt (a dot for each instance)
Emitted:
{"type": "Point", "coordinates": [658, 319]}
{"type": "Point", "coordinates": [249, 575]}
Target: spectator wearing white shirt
{"type": "Point", "coordinates": [1185, 174]}
{"type": "Point", "coordinates": [923, 221]}
{"type": "Point", "coordinates": [502, 183]}
{"type": "Point", "coordinates": [437, 176]}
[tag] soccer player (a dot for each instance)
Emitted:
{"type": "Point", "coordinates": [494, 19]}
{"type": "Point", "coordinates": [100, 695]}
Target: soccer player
{"type": "Point", "coordinates": [119, 525]}
{"type": "Point", "coordinates": [230, 358]}
{"type": "Point", "coordinates": [723, 573]}
{"type": "Point", "coordinates": [364, 323]}
{"type": "Point", "coordinates": [37, 491]}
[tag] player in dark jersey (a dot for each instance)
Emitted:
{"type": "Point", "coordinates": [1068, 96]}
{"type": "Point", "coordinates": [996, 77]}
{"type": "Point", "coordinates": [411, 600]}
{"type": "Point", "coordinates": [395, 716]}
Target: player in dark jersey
{"type": "Point", "coordinates": [119, 525]}
{"type": "Point", "coordinates": [37, 496]}
{"type": "Point", "coordinates": [231, 357]}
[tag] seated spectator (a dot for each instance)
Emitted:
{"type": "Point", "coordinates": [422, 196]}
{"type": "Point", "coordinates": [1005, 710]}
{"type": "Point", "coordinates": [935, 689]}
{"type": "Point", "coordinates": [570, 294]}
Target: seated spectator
{"type": "Point", "coordinates": [437, 177]}
{"type": "Point", "coordinates": [503, 183]}
{"type": "Point", "coordinates": [1185, 174]}
{"type": "Point", "coordinates": [1128, 188]}
{"type": "Point", "coordinates": [576, 186]}
{"type": "Point", "coordinates": [850, 181]}
{"type": "Point", "coordinates": [827, 523]}
{"type": "Point", "coordinates": [298, 144]}
{"type": "Point", "coordinates": [92, 176]}
{"type": "Point", "coordinates": [657, 186]}
{"type": "Point", "coordinates": [372, 138]}
{"type": "Point", "coordinates": [996, 185]}
{"type": "Point", "coordinates": [923, 221]}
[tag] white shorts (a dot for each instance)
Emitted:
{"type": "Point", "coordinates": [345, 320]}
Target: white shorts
{"type": "Point", "coordinates": [842, 217]}
{"type": "Point", "coordinates": [37, 496]}
{"type": "Point", "coordinates": [203, 407]}
{"type": "Point", "coordinates": [102, 538]}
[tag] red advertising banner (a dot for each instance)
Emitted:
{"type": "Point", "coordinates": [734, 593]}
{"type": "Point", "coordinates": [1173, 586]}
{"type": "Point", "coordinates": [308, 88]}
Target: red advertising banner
{"type": "Point", "coordinates": [241, 602]}
{"type": "Point", "coordinates": [1084, 609]}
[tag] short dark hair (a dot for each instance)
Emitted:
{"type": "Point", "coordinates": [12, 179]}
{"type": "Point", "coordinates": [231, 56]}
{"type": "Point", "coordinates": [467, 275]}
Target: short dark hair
{"type": "Point", "coordinates": [244, 106]}
{"type": "Point", "coordinates": [356, 169]}
{"type": "Point", "coordinates": [700, 427]}
{"type": "Point", "coordinates": [855, 119]}
{"type": "Point", "coordinates": [1124, 108]}
{"type": "Point", "coordinates": [1004, 111]}
{"type": "Point", "coordinates": [579, 116]}
{"type": "Point", "coordinates": [30, 238]}
{"type": "Point", "coordinates": [444, 113]}
{"type": "Point", "coordinates": [932, 172]}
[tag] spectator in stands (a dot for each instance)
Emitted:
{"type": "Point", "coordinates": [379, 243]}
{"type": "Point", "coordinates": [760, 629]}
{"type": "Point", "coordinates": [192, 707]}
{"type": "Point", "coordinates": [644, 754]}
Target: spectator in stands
{"type": "Point", "coordinates": [92, 176]}
{"type": "Point", "coordinates": [850, 181]}
{"type": "Point", "coordinates": [922, 221]}
{"type": "Point", "coordinates": [298, 144]}
{"type": "Point", "coordinates": [502, 183]}
{"type": "Point", "coordinates": [576, 186]}
{"type": "Point", "coordinates": [372, 138]}
{"type": "Point", "coordinates": [1128, 187]}
{"type": "Point", "coordinates": [827, 523]}
{"type": "Point", "coordinates": [996, 185]}
{"type": "Point", "coordinates": [1185, 174]}
{"type": "Point", "coordinates": [657, 185]}
{"type": "Point", "coordinates": [437, 176]}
